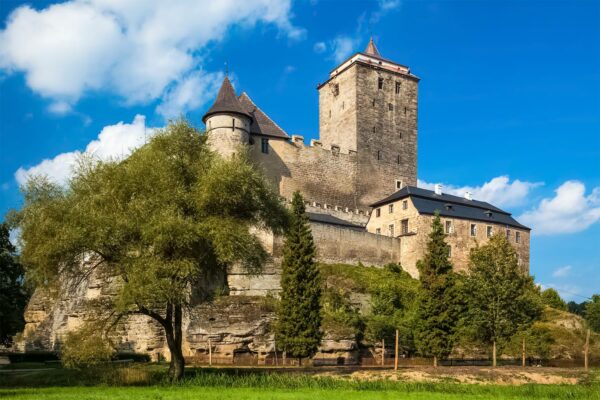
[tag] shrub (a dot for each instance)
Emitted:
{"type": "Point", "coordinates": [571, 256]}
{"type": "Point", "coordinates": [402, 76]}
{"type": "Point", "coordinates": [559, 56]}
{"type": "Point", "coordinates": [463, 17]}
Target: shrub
{"type": "Point", "coordinates": [86, 347]}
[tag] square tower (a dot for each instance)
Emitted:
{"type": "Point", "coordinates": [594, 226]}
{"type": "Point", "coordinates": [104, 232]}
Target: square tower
{"type": "Point", "coordinates": [369, 106]}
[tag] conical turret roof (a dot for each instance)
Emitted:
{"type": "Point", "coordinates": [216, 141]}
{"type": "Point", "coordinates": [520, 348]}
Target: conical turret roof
{"type": "Point", "coordinates": [227, 102]}
{"type": "Point", "coordinates": [372, 49]}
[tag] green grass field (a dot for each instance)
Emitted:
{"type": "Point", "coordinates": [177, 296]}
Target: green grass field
{"type": "Point", "coordinates": [148, 382]}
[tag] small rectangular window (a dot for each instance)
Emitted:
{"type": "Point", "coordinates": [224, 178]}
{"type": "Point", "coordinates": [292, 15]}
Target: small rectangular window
{"type": "Point", "coordinates": [390, 107]}
{"type": "Point", "coordinates": [336, 89]}
{"type": "Point", "coordinates": [233, 124]}
{"type": "Point", "coordinates": [473, 229]}
{"type": "Point", "coordinates": [398, 184]}
{"type": "Point", "coordinates": [405, 204]}
{"type": "Point", "coordinates": [398, 159]}
{"type": "Point", "coordinates": [490, 231]}
{"type": "Point", "coordinates": [448, 227]}
{"type": "Point", "coordinates": [379, 154]}
{"type": "Point", "coordinates": [373, 102]}
{"type": "Point", "coordinates": [380, 83]}
{"type": "Point", "coordinates": [405, 110]}
{"type": "Point", "coordinates": [378, 231]}
{"type": "Point", "coordinates": [518, 237]}
{"type": "Point", "coordinates": [378, 212]}
{"type": "Point", "coordinates": [391, 228]}
{"type": "Point", "coordinates": [508, 234]}
{"type": "Point", "coordinates": [397, 87]}
{"type": "Point", "coordinates": [404, 226]}
{"type": "Point", "coordinates": [264, 145]}
{"type": "Point", "coordinates": [391, 208]}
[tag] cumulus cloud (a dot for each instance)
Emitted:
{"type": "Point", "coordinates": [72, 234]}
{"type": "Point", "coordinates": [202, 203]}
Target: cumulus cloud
{"type": "Point", "coordinates": [562, 272]}
{"type": "Point", "coordinates": [569, 211]}
{"type": "Point", "coordinates": [139, 50]}
{"type": "Point", "coordinates": [342, 46]}
{"type": "Point", "coordinates": [113, 142]}
{"type": "Point", "coordinates": [499, 191]}
{"type": "Point", "coordinates": [189, 93]}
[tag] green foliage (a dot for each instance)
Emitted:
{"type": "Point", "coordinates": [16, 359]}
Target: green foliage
{"type": "Point", "coordinates": [551, 298]}
{"type": "Point", "coordinates": [13, 293]}
{"type": "Point", "coordinates": [576, 308]}
{"type": "Point", "coordinates": [298, 329]}
{"type": "Point", "coordinates": [392, 292]}
{"type": "Point", "coordinates": [502, 300]}
{"type": "Point", "coordinates": [538, 342]}
{"type": "Point", "coordinates": [171, 214]}
{"type": "Point", "coordinates": [437, 314]}
{"type": "Point", "coordinates": [592, 313]}
{"type": "Point", "coordinates": [86, 347]}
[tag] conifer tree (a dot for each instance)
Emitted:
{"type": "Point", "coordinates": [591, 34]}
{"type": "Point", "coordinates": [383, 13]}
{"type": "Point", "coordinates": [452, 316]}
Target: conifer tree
{"type": "Point", "coordinates": [298, 330]}
{"type": "Point", "coordinates": [436, 315]}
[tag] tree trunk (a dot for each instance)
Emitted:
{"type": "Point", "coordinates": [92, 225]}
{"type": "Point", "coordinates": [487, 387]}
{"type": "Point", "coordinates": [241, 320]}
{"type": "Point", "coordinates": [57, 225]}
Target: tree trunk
{"type": "Point", "coordinates": [494, 354]}
{"type": "Point", "coordinates": [173, 335]}
{"type": "Point", "coordinates": [435, 361]}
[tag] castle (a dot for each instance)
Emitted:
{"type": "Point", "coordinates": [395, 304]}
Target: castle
{"type": "Point", "coordinates": [359, 183]}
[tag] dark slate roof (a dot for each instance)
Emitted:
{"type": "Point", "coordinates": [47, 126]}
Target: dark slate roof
{"type": "Point", "coordinates": [331, 220]}
{"type": "Point", "coordinates": [226, 102]}
{"type": "Point", "coordinates": [372, 49]}
{"type": "Point", "coordinates": [261, 123]}
{"type": "Point", "coordinates": [427, 202]}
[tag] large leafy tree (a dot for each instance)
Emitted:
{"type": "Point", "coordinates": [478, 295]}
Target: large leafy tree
{"type": "Point", "coordinates": [503, 300]}
{"type": "Point", "coordinates": [298, 328]}
{"type": "Point", "coordinates": [13, 293]}
{"type": "Point", "coordinates": [592, 313]}
{"type": "Point", "coordinates": [437, 313]}
{"type": "Point", "coordinates": [157, 223]}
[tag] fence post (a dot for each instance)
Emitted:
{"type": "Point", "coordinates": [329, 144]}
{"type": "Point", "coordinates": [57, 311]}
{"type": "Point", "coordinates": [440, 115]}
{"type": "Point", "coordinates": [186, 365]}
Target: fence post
{"type": "Point", "coordinates": [586, 350]}
{"type": "Point", "coordinates": [209, 353]}
{"type": "Point", "coordinates": [396, 352]}
{"type": "Point", "coordinates": [382, 352]}
{"type": "Point", "coordinates": [275, 348]}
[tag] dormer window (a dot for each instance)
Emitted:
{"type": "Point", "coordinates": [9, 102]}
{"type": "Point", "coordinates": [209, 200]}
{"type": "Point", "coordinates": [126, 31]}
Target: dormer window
{"type": "Point", "coordinates": [448, 207]}
{"type": "Point", "coordinates": [488, 213]}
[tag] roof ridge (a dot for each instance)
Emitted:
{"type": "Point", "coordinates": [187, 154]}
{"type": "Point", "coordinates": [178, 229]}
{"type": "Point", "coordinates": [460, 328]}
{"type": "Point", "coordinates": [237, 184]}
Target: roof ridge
{"type": "Point", "coordinates": [247, 97]}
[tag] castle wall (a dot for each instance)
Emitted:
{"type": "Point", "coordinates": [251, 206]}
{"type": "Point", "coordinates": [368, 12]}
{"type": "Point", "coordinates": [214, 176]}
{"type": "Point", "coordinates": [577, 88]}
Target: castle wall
{"type": "Point", "coordinates": [320, 174]}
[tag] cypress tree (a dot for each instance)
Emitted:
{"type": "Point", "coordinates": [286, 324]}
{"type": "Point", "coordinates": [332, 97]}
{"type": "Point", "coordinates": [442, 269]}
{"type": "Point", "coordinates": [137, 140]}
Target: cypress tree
{"type": "Point", "coordinates": [436, 315]}
{"type": "Point", "coordinates": [298, 330]}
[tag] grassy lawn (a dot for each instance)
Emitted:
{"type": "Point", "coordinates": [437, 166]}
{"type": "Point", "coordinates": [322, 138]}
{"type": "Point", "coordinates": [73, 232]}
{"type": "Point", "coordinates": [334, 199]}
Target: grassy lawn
{"type": "Point", "coordinates": [148, 382]}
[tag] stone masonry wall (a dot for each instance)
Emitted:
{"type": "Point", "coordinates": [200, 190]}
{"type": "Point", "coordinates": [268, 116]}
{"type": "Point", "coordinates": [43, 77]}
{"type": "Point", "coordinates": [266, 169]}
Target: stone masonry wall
{"type": "Point", "coordinates": [414, 243]}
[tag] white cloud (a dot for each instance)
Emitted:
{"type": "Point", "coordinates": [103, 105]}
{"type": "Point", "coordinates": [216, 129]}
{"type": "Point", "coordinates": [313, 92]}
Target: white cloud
{"type": "Point", "coordinates": [387, 5]}
{"type": "Point", "coordinates": [60, 108]}
{"type": "Point", "coordinates": [499, 191]}
{"type": "Point", "coordinates": [562, 271]}
{"type": "Point", "coordinates": [190, 93]}
{"type": "Point", "coordinates": [319, 47]}
{"type": "Point", "coordinates": [138, 50]}
{"type": "Point", "coordinates": [114, 141]}
{"type": "Point", "coordinates": [569, 211]}
{"type": "Point", "coordinates": [342, 46]}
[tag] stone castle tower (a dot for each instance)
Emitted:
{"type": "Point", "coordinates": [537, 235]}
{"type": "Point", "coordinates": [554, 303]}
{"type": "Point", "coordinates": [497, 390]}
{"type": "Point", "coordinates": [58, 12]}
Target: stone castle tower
{"type": "Point", "coordinates": [368, 135]}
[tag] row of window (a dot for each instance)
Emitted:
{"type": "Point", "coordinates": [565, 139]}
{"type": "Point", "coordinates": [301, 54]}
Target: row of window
{"type": "Point", "coordinates": [449, 226]}
{"type": "Point", "coordinates": [403, 228]}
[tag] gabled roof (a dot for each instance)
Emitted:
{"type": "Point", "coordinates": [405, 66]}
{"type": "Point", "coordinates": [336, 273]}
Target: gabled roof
{"type": "Point", "coordinates": [427, 202]}
{"type": "Point", "coordinates": [226, 102]}
{"type": "Point", "coordinates": [372, 49]}
{"type": "Point", "coordinates": [261, 123]}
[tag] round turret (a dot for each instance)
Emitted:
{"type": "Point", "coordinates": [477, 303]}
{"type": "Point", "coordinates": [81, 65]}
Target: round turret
{"type": "Point", "coordinates": [227, 123]}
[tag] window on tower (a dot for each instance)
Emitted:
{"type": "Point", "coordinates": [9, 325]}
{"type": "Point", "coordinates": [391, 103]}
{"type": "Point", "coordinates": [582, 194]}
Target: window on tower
{"type": "Point", "coordinates": [379, 154]}
{"type": "Point", "coordinates": [390, 107]}
{"type": "Point", "coordinates": [380, 84]}
{"type": "Point", "coordinates": [397, 87]}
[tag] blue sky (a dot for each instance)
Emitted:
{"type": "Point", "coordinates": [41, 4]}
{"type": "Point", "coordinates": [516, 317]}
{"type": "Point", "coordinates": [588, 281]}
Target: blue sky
{"type": "Point", "coordinates": [509, 102]}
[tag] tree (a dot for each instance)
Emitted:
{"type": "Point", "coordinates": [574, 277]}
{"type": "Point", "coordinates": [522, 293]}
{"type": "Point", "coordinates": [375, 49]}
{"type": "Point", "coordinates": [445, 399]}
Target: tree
{"type": "Point", "coordinates": [13, 293]}
{"type": "Point", "coordinates": [503, 300]}
{"type": "Point", "coordinates": [576, 308]}
{"type": "Point", "coordinates": [592, 313]}
{"type": "Point", "coordinates": [551, 298]}
{"type": "Point", "coordinates": [437, 315]}
{"type": "Point", "coordinates": [159, 223]}
{"type": "Point", "coordinates": [298, 328]}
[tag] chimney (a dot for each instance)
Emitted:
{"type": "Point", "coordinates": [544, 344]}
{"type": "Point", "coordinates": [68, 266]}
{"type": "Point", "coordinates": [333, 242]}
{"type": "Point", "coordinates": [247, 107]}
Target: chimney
{"type": "Point", "coordinates": [468, 195]}
{"type": "Point", "coordinates": [438, 189]}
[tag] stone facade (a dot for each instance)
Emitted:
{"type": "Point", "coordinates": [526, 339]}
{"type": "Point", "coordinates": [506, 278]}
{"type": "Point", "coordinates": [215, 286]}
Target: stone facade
{"type": "Point", "coordinates": [389, 219]}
